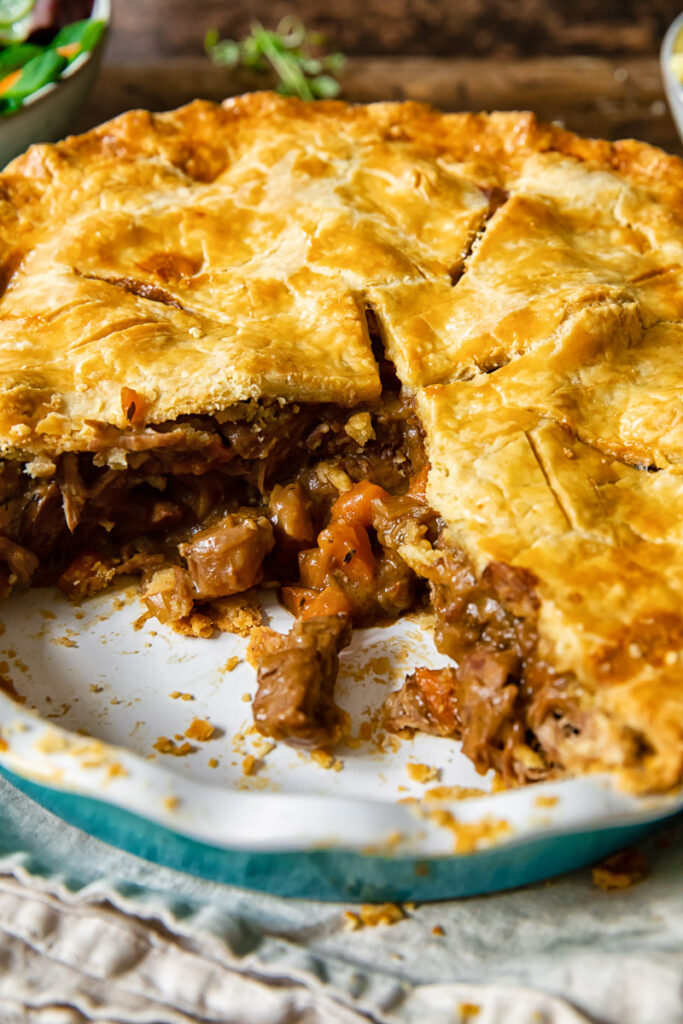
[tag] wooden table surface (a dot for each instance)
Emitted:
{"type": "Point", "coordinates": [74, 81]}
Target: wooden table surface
{"type": "Point", "coordinates": [606, 97]}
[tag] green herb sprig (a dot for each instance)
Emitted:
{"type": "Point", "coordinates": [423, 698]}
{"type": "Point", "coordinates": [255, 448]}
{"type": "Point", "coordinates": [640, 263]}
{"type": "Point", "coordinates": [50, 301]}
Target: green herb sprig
{"type": "Point", "coordinates": [291, 51]}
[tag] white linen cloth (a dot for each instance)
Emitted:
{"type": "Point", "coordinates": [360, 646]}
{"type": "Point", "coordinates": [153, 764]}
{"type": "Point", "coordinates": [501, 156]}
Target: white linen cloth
{"type": "Point", "coordinates": [88, 933]}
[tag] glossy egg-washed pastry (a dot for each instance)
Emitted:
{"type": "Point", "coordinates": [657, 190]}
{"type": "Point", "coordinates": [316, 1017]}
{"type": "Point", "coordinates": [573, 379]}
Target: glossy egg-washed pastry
{"type": "Point", "coordinates": [384, 357]}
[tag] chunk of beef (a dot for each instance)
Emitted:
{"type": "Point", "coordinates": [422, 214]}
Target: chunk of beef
{"type": "Point", "coordinates": [290, 514]}
{"type": "Point", "coordinates": [400, 519]}
{"type": "Point", "coordinates": [228, 558]}
{"type": "Point", "coordinates": [492, 721]}
{"type": "Point", "coordinates": [42, 528]}
{"type": "Point", "coordinates": [295, 694]}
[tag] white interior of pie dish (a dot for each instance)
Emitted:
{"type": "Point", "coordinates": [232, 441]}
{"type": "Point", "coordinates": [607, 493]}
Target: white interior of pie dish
{"type": "Point", "coordinates": [100, 688]}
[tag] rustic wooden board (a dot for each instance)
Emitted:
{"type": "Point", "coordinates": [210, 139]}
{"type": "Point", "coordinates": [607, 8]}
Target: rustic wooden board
{"type": "Point", "coordinates": [590, 95]}
{"type": "Point", "coordinates": [148, 29]}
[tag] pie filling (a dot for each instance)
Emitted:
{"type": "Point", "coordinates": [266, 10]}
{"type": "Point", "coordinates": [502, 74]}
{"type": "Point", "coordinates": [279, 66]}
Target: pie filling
{"type": "Point", "coordinates": [318, 500]}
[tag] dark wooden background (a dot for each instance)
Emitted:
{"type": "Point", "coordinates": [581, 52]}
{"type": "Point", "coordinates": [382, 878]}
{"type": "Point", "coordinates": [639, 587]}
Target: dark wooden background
{"type": "Point", "coordinates": [591, 65]}
{"type": "Point", "coordinates": [466, 28]}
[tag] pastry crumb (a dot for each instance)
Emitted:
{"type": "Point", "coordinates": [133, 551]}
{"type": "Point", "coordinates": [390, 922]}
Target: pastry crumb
{"type": "Point", "coordinates": [325, 760]}
{"type": "Point", "coordinates": [453, 793]}
{"type": "Point", "coordinates": [51, 743]}
{"type": "Point", "coordinates": [166, 746]}
{"type": "Point", "coordinates": [468, 1010]}
{"type": "Point", "coordinates": [263, 746]}
{"type": "Point", "coordinates": [359, 428]}
{"type": "Point", "coordinates": [251, 765]}
{"type": "Point", "coordinates": [213, 762]}
{"type": "Point", "coordinates": [171, 803]}
{"type": "Point", "coordinates": [546, 801]}
{"type": "Point", "coordinates": [263, 641]}
{"type": "Point", "coordinates": [232, 663]}
{"type": "Point", "coordinates": [372, 915]}
{"type": "Point", "coordinates": [194, 624]}
{"type": "Point", "coordinates": [422, 772]}
{"type": "Point", "coordinates": [438, 930]}
{"type": "Point", "coordinates": [471, 836]}
{"type": "Point", "coordinates": [199, 729]}
{"type": "Point", "coordinates": [621, 870]}
{"type": "Point", "coordinates": [237, 614]}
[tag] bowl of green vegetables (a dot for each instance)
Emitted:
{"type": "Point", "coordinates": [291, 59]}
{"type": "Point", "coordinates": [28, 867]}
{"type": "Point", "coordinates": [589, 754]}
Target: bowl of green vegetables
{"type": "Point", "coordinates": [50, 52]}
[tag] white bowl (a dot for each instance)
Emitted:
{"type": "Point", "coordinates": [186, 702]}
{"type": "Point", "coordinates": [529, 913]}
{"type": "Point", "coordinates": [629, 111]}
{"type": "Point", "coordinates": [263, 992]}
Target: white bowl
{"type": "Point", "coordinates": [46, 115]}
{"type": "Point", "coordinates": [672, 84]}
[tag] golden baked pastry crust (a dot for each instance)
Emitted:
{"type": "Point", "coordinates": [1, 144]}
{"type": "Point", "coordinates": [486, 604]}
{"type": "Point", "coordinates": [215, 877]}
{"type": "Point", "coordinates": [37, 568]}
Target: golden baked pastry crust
{"type": "Point", "coordinates": [528, 285]}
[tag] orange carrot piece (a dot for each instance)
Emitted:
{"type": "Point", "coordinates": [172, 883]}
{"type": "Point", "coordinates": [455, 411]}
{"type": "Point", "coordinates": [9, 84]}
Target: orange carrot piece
{"type": "Point", "coordinates": [8, 81]}
{"type": "Point", "coordinates": [355, 505]}
{"type": "Point", "coordinates": [330, 601]}
{"type": "Point", "coordinates": [68, 50]}
{"type": "Point", "coordinates": [418, 484]}
{"type": "Point", "coordinates": [347, 547]}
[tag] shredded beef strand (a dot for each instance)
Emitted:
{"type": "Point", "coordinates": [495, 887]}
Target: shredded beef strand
{"type": "Point", "coordinates": [74, 491]}
{"type": "Point", "coordinates": [21, 562]}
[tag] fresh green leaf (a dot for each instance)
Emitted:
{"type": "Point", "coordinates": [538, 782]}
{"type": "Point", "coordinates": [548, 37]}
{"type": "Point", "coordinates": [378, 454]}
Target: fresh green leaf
{"type": "Point", "coordinates": [226, 54]}
{"type": "Point", "coordinates": [334, 61]}
{"type": "Point", "coordinates": [35, 74]}
{"type": "Point", "coordinates": [86, 33]}
{"type": "Point", "coordinates": [325, 87]}
{"type": "Point", "coordinates": [13, 57]}
{"type": "Point", "coordinates": [211, 39]}
{"type": "Point", "coordinates": [311, 66]}
{"type": "Point", "coordinates": [8, 106]}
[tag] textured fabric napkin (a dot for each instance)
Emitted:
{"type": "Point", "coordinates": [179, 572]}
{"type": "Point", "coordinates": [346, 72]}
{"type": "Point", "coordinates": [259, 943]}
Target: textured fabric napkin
{"type": "Point", "coordinates": [88, 933]}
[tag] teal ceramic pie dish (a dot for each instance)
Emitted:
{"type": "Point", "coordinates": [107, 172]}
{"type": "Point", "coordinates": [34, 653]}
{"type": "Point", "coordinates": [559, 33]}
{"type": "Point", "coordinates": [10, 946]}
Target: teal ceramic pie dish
{"type": "Point", "coordinates": [342, 874]}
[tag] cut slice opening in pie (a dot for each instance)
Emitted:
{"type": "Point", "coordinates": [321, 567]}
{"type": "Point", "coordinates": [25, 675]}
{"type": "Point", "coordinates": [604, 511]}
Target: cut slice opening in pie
{"type": "Point", "coordinates": [382, 358]}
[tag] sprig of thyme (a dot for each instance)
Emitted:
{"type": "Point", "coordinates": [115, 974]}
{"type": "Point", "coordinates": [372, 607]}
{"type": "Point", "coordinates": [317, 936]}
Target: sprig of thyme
{"type": "Point", "coordinates": [291, 51]}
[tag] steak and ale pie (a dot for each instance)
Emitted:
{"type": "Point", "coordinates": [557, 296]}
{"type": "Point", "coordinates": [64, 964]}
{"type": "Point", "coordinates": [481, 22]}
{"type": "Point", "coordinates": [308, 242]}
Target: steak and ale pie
{"type": "Point", "coordinates": [384, 358]}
